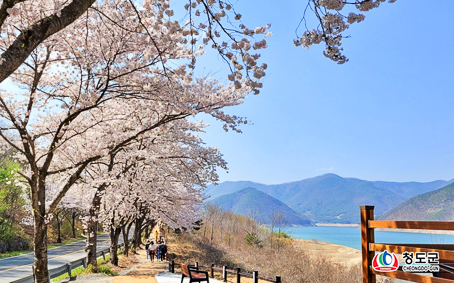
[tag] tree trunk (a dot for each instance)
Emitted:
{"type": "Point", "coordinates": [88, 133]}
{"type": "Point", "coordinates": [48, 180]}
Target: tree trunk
{"type": "Point", "coordinates": [114, 236]}
{"type": "Point", "coordinates": [92, 225]}
{"type": "Point", "coordinates": [40, 234]}
{"type": "Point", "coordinates": [59, 223]}
{"type": "Point", "coordinates": [147, 232]}
{"type": "Point", "coordinates": [137, 238]}
{"type": "Point", "coordinates": [40, 241]}
{"type": "Point", "coordinates": [125, 239]}
{"type": "Point", "coordinates": [212, 232]}
{"type": "Point", "coordinates": [58, 230]}
{"type": "Point", "coordinates": [73, 223]}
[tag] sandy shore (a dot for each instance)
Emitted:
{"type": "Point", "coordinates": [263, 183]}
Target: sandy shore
{"type": "Point", "coordinates": [336, 253]}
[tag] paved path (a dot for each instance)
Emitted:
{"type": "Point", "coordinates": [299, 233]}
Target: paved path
{"type": "Point", "coordinates": [13, 268]}
{"type": "Point", "coordinates": [152, 273]}
{"type": "Point", "coordinates": [175, 278]}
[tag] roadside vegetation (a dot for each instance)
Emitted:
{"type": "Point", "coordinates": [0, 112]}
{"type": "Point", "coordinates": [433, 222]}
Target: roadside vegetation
{"type": "Point", "coordinates": [103, 268]}
{"type": "Point", "coordinates": [16, 227]}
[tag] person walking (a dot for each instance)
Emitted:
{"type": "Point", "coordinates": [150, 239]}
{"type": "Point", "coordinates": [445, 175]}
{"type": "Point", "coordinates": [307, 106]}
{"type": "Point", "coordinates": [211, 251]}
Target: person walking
{"type": "Point", "coordinates": [160, 234]}
{"type": "Point", "coordinates": [156, 234]}
{"type": "Point", "coordinates": [158, 251]}
{"type": "Point", "coordinates": [147, 245]}
{"type": "Point", "coordinates": [151, 251]}
{"type": "Point", "coordinates": [163, 251]}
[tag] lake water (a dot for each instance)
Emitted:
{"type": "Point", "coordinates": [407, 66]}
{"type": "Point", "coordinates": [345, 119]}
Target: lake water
{"type": "Point", "coordinates": [351, 236]}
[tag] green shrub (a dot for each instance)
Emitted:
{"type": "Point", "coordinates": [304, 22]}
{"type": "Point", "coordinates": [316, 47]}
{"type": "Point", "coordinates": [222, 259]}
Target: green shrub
{"type": "Point", "coordinates": [281, 234]}
{"type": "Point", "coordinates": [253, 239]}
{"type": "Point", "coordinates": [106, 270]}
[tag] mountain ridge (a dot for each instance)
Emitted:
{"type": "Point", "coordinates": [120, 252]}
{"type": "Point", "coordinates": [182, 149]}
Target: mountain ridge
{"type": "Point", "coordinates": [435, 205]}
{"type": "Point", "coordinates": [330, 198]}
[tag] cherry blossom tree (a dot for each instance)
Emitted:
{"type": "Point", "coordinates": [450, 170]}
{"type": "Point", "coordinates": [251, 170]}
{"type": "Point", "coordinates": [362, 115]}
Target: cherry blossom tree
{"type": "Point", "coordinates": [333, 21]}
{"type": "Point", "coordinates": [86, 99]}
{"type": "Point", "coordinates": [26, 24]}
{"type": "Point", "coordinates": [85, 66]}
{"type": "Point", "coordinates": [150, 165]}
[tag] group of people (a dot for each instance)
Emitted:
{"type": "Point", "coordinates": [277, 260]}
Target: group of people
{"type": "Point", "coordinates": [159, 250]}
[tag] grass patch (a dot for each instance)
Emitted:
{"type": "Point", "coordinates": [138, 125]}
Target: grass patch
{"type": "Point", "coordinates": [75, 272]}
{"type": "Point", "coordinates": [10, 254]}
{"type": "Point", "coordinates": [102, 268]}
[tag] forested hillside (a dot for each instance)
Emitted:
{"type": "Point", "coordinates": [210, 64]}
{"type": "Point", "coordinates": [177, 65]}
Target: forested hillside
{"type": "Point", "coordinates": [257, 204]}
{"type": "Point", "coordinates": [436, 205]}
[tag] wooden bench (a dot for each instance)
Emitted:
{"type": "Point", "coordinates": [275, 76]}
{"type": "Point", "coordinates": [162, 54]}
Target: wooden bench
{"type": "Point", "coordinates": [193, 274]}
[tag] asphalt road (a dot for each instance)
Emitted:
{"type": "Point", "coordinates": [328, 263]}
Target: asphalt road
{"type": "Point", "coordinates": [16, 267]}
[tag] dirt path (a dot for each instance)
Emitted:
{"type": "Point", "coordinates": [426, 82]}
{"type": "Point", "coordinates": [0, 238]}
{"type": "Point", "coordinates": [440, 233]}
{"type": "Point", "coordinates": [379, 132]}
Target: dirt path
{"type": "Point", "coordinates": [143, 273]}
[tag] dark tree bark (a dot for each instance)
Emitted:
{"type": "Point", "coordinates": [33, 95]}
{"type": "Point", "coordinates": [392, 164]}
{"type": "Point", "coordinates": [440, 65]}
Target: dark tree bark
{"type": "Point", "coordinates": [74, 214]}
{"type": "Point", "coordinates": [137, 239]}
{"type": "Point", "coordinates": [58, 232]}
{"type": "Point", "coordinates": [35, 34]}
{"type": "Point", "coordinates": [91, 232]}
{"type": "Point", "coordinates": [114, 236]}
{"type": "Point", "coordinates": [73, 223]}
{"type": "Point", "coordinates": [147, 232]}
{"type": "Point", "coordinates": [40, 229]}
{"type": "Point", "coordinates": [125, 229]}
{"type": "Point", "coordinates": [40, 260]}
{"type": "Point", "coordinates": [59, 217]}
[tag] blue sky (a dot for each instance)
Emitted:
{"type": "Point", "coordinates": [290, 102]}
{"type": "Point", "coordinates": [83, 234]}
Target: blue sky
{"type": "Point", "coordinates": [386, 115]}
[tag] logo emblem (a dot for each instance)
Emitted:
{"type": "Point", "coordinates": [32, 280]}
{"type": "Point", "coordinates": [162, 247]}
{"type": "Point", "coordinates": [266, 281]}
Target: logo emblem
{"type": "Point", "coordinates": [385, 262]}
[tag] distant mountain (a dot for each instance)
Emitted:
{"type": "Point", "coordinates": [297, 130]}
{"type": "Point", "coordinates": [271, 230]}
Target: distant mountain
{"type": "Point", "coordinates": [332, 199]}
{"type": "Point", "coordinates": [436, 205]}
{"type": "Point", "coordinates": [248, 200]}
{"type": "Point", "coordinates": [231, 187]}
{"type": "Point", "coordinates": [409, 189]}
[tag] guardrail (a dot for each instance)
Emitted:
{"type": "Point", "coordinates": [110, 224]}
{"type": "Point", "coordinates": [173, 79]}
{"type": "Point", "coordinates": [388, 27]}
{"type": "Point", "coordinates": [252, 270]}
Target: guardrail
{"type": "Point", "coordinates": [255, 275]}
{"type": "Point", "coordinates": [369, 247]}
{"type": "Point", "coordinates": [67, 268]}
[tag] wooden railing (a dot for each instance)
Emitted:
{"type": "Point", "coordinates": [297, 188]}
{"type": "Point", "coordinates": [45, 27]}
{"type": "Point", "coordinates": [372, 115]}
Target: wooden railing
{"type": "Point", "coordinates": [369, 247]}
{"type": "Point", "coordinates": [225, 271]}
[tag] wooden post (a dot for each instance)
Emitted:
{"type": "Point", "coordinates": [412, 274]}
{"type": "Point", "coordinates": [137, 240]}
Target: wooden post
{"type": "Point", "coordinates": [278, 279]}
{"type": "Point", "coordinates": [238, 276]}
{"type": "Point", "coordinates": [255, 276]}
{"type": "Point", "coordinates": [84, 262]}
{"type": "Point", "coordinates": [367, 237]}
{"type": "Point", "coordinates": [224, 273]}
{"type": "Point", "coordinates": [103, 255]}
{"type": "Point", "coordinates": [173, 266]}
{"type": "Point", "coordinates": [212, 270]}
